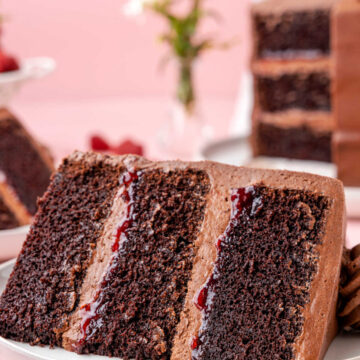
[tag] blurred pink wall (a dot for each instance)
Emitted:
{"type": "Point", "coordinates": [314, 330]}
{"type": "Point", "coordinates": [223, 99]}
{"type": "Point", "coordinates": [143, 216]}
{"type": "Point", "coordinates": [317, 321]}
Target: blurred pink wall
{"type": "Point", "coordinates": [101, 53]}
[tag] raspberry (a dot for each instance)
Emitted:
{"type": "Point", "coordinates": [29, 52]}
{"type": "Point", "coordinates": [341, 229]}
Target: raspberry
{"type": "Point", "coordinates": [99, 144]}
{"type": "Point", "coordinates": [11, 64]}
{"type": "Point", "coordinates": [128, 147]}
{"type": "Point", "coordinates": [8, 63]}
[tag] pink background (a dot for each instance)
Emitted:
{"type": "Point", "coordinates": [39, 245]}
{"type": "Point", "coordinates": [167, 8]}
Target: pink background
{"type": "Point", "coordinates": [101, 53]}
{"type": "Point", "coordinates": [108, 79]}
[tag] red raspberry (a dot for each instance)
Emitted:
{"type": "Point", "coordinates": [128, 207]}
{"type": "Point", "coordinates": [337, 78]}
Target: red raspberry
{"type": "Point", "coordinates": [11, 64]}
{"type": "Point", "coordinates": [128, 147]}
{"type": "Point", "coordinates": [99, 144]}
{"type": "Point", "coordinates": [8, 63]}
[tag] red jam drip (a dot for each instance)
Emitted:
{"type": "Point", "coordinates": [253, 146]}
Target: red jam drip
{"type": "Point", "coordinates": [126, 180]}
{"type": "Point", "coordinates": [243, 201]}
{"type": "Point", "coordinates": [195, 343]}
{"type": "Point", "coordinates": [90, 311]}
{"type": "Point", "coordinates": [201, 301]}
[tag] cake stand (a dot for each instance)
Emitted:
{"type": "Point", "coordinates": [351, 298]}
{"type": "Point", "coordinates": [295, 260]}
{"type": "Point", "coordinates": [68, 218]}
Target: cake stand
{"type": "Point", "coordinates": [30, 69]}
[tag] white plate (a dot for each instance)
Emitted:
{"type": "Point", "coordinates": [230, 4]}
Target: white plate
{"type": "Point", "coordinates": [30, 69]}
{"type": "Point", "coordinates": [237, 151]}
{"type": "Point", "coordinates": [344, 347]}
{"type": "Point", "coordinates": [11, 242]}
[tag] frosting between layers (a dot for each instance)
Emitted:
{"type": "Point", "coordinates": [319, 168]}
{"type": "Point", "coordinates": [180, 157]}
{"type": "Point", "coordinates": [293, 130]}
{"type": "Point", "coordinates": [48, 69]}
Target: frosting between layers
{"type": "Point", "coordinates": [319, 121]}
{"type": "Point", "coordinates": [279, 67]}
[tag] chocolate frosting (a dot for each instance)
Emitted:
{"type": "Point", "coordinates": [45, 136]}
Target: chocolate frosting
{"type": "Point", "coordinates": [318, 121]}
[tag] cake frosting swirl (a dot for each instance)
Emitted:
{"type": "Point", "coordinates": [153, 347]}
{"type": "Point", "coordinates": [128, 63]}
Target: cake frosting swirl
{"type": "Point", "coordinates": [350, 290]}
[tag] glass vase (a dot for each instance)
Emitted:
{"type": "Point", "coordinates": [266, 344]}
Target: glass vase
{"type": "Point", "coordinates": [184, 133]}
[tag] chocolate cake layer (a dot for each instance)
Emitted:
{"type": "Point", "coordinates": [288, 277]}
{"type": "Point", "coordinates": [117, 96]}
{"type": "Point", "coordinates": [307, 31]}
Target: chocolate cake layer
{"type": "Point", "coordinates": [26, 167]}
{"type": "Point", "coordinates": [309, 92]}
{"type": "Point", "coordinates": [253, 302]}
{"type": "Point", "coordinates": [304, 136]}
{"type": "Point", "coordinates": [44, 286]}
{"type": "Point", "coordinates": [296, 143]}
{"type": "Point", "coordinates": [292, 28]}
{"type": "Point", "coordinates": [295, 84]}
{"type": "Point", "coordinates": [7, 218]}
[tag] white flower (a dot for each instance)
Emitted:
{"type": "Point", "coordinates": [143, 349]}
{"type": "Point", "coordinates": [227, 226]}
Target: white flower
{"type": "Point", "coordinates": [136, 7]}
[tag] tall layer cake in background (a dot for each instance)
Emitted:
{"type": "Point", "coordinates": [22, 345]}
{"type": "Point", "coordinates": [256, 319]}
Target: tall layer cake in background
{"type": "Point", "coordinates": [174, 260]}
{"type": "Point", "coordinates": [346, 45]}
{"type": "Point", "coordinates": [292, 79]}
{"type": "Point", "coordinates": [25, 170]}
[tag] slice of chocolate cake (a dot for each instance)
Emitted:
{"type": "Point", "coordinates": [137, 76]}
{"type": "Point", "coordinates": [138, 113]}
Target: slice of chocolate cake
{"type": "Point", "coordinates": [175, 260]}
{"type": "Point", "coordinates": [25, 169]}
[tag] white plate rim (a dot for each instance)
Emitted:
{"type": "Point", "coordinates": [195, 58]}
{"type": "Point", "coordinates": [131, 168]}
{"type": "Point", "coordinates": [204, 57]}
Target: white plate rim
{"type": "Point", "coordinates": [15, 231]}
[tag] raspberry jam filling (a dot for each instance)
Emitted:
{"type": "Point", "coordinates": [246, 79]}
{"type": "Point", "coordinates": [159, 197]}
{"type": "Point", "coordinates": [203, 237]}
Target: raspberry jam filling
{"type": "Point", "coordinates": [243, 201]}
{"type": "Point", "coordinates": [90, 317]}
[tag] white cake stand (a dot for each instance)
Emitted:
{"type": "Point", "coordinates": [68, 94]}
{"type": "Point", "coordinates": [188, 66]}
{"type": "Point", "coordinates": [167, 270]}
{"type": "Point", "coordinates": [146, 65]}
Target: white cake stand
{"type": "Point", "coordinates": [30, 69]}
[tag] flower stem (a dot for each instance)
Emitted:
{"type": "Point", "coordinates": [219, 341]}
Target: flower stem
{"type": "Point", "coordinates": [185, 91]}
